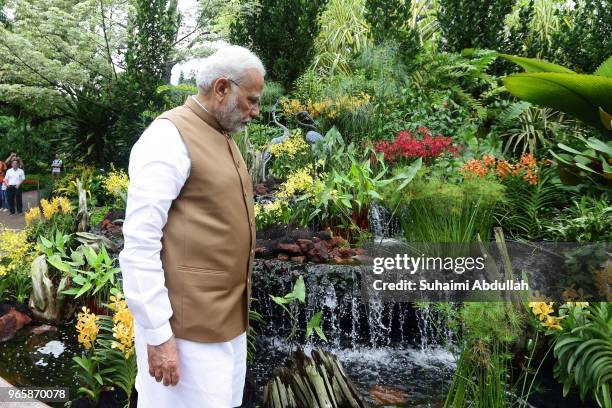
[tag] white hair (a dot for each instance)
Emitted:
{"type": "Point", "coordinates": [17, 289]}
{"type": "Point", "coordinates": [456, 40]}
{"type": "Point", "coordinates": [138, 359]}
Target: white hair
{"type": "Point", "coordinates": [228, 62]}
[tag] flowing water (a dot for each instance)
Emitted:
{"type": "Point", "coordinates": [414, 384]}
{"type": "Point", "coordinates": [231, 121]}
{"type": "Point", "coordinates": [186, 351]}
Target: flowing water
{"type": "Point", "coordinates": [393, 345]}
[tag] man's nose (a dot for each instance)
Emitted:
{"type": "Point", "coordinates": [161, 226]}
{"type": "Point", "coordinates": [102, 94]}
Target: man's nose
{"type": "Point", "coordinates": [255, 111]}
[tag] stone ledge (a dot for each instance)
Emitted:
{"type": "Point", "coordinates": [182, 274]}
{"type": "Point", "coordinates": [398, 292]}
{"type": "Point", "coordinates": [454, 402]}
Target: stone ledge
{"type": "Point", "coordinates": [4, 383]}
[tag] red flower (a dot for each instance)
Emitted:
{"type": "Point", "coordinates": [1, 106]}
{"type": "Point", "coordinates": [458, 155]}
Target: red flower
{"type": "Point", "coordinates": [406, 145]}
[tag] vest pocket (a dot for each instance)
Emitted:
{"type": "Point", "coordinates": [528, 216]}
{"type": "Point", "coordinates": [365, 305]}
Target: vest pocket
{"type": "Point", "coordinates": [209, 303]}
{"type": "Point", "coordinates": [197, 270]}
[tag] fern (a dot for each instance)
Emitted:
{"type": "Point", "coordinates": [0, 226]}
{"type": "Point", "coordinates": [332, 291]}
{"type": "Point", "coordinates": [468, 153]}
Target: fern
{"type": "Point", "coordinates": [528, 208]}
{"type": "Point", "coordinates": [512, 112]}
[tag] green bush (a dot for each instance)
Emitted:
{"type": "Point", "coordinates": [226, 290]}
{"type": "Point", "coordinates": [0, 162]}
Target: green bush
{"type": "Point", "coordinates": [585, 38]}
{"type": "Point", "coordinates": [281, 33]}
{"type": "Point", "coordinates": [473, 23]}
{"type": "Point", "coordinates": [440, 211]}
{"type": "Point", "coordinates": [587, 220]}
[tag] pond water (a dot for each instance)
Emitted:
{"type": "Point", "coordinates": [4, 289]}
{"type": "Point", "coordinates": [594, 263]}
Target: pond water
{"type": "Point", "coordinates": [393, 346]}
{"type": "Point", "coordinates": [43, 360]}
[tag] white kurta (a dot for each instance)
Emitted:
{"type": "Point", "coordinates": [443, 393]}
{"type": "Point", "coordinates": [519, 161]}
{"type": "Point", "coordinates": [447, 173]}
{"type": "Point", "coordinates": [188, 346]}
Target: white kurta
{"type": "Point", "coordinates": [211, 374]}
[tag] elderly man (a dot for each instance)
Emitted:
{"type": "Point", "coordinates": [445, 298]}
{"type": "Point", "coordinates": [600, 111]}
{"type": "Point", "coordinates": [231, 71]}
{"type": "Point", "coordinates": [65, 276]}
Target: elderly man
{"type": "Point", "coordinates": [189, 238]}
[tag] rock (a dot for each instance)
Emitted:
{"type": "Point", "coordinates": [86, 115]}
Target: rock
{"type": "Point", "coordinates": [305, 245]}
{"type": "Point", "coordinates": [289, 248]}
{"type": "Point", "coordinates": [12, 322]}
{"type": "Point", "coordinates": [383, 395]}
{"type": "Point", "coordinates": [337, 260]}
{"type": "Point", "coordinates": [324, 235]}
{"type": "Point", "coordinates": [260, 189]}
{"type": "Point", "coordinates": [359, 251]}
{"type": "Point", "coordinates": [316, 239]}
{"type": "Point", "coordinates": [319, 252]}
{"type": "Point", "coordinates": [282, 257]}
{"type": "Point", "coordinates": [43, 329]}
{"type": "Point", "coordinates": [337, 241]}
{"type": "Point", "coordinates": [298, 259]}
{"type": "Point", "coordinates": [262, 252]}
{"type": "Point", "coordinates": [346, 252]}
{"type": "Point", "coordinates": [363, 259]}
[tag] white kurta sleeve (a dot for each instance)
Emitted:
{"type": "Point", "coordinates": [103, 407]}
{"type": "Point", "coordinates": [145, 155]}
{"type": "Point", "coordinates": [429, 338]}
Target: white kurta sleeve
{"type": "Point", "coordinates": [159, 167]}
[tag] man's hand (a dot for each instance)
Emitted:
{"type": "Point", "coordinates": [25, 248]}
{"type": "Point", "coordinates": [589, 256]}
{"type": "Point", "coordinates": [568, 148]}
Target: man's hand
{"type": "Point", "coordinates": [163, 362]}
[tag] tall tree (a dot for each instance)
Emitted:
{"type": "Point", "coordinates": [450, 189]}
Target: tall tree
{"type": "Point", "coordinates": [282, 33]}
{"type": "Point", "coordinates": [585, 41]}
{"type": "Point", "coordinates": [473, 23]}
{"type": "Point", "coordinates": [390, 21]}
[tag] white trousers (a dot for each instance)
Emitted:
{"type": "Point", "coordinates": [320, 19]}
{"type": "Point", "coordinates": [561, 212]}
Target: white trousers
{"type": "Point", "coordinates": [211, 375]}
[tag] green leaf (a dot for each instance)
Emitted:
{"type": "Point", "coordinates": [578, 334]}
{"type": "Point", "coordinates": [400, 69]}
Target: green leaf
{"type": "Point", "coordinates": [605, 148]}
{"type": "Point", "coordinates": [320, 333]}
{"type": "Point", "coordinates": [90, 255]}
{"type": "Point", "coordinates": [46, 243]}
{"type": "Point", "coordinates": [605, 69]}
{"type": "Point", "coordinates": [315, 324]}
{"type": "Point", "coordinates": [299, 290]}
{"type": "Point", "coordinates": [535, 65]}
{"type": "Point", "coordinates": [84, 289]}
{"type": "Point", "coordinates": [576, 94]}
{"type": "Point", "coordinates": [280, 300]}
{"type": "Point", "coordinates": [57, 263]}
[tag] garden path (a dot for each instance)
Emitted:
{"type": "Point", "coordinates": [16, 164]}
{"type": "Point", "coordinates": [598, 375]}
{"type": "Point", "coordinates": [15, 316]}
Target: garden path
{"type": "Point", "coordinates": [17, 221]}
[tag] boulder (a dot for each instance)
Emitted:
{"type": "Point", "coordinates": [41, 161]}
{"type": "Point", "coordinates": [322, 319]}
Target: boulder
{"type": "Point", "coordinates": [305, 245]}
{"type": "Point", "coordinates": [11, 323]}
{"type": "Point", "coordinates": [298, 259]}
{"type": "Point", "coordinates": [289, 248]}
{"type": "Point", "coordinates": [383, 395]}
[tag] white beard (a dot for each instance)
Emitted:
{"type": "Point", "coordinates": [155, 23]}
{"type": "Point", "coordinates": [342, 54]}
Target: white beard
{"type": "Point", "coordinates": [230, 118]}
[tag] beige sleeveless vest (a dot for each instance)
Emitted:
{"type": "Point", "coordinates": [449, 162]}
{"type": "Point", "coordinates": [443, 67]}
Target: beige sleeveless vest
{"type": "Point", "coordinates": [208, 241]}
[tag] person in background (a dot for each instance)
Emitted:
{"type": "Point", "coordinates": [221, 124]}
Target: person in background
{"type": "Point", "coordinates": [11, 158]}
{"type": "Point", "coordinates": [3, 200]}
{"type": "Point", "coordinates": [4, 206]}
{"type": "Point", "coordinates": [56, 167]}
{"type": "Point", "coordinates": [13, 179]}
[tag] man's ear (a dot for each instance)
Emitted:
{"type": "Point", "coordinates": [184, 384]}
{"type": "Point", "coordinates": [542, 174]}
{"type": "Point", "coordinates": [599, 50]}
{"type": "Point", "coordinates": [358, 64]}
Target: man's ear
{"type": "Point", "coordinates": [221, 88]}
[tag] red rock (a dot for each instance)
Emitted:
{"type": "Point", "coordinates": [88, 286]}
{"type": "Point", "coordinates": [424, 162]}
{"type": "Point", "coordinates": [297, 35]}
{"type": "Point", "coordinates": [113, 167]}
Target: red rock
{"type": "Point", "coordinates": [337, 241]}
{"type": "Point", "coordinates": [289, 248]}
{"type": "Point", "coordinates": [383, 395]}
{"type": "Point", "coordinates": [11, 322]}
{"type": "Point", "coordinates": [260, 189]}
{"type": "Point", "coordinates": [346, 252]}
{"type": "Point", "coordinates": [359, 251]}
{"type": "Point", "coordinates": [283, 257]}
{"type": "Point", "coordinates": [321, 250]}
{"type": "Point", "coordinates": [298, 259]}
{"type": "Point", "coordinates": [261, 251]}
{"type": "Point", "coordinates": [305, 244]}
{"type": "Point", "coordinates": [115, 230]}
{"type": "Point", "coordinates": [334, 253]}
